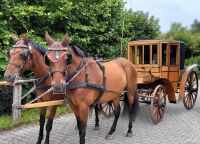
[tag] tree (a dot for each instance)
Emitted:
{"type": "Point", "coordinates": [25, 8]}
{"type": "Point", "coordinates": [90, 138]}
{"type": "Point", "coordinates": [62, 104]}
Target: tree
{"type": "Point", "coordinates": [95, 26]}
{"type": "Point", "coordinates": [195, 27]}
{"type": "Point", "coordinates": [178, 32]}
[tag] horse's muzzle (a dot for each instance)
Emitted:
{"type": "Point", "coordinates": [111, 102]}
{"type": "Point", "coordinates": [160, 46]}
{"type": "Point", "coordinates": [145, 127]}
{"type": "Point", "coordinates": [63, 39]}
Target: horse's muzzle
{"type": "Point", "coordinates": [59, 89]}
{"type": "Point", "coordinates": [9, 77]}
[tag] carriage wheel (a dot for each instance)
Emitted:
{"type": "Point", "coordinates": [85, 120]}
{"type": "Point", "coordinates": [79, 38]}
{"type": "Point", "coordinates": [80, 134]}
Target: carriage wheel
{"type": "Point", "coordinates": [191, 90]}
{"type": "Point", "coordinates": [107, 109]}
{"type": "Point", "coordinates": [158, 104]}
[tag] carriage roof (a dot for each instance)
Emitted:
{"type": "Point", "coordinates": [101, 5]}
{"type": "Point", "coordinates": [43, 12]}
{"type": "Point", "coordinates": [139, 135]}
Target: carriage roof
{"type": "Point", "coordinates": [156, 41]}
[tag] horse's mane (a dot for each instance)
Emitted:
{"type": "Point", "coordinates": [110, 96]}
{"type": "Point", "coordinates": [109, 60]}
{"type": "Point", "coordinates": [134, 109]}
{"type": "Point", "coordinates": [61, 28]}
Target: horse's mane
{"type": "Point", "coordinates": [78, 51]}
{"type": "Point", "coordinates": [40, 48]}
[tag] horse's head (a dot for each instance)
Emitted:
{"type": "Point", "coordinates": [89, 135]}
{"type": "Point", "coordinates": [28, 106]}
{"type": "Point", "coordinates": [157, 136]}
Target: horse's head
{"type": "Point", "coordinates": [19, 59]}
{"type": "Point", "coordinates": [58, 57]}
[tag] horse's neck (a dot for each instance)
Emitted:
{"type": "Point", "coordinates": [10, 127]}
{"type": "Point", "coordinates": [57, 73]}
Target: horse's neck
{"type": "Point", "coordinates": [39, 68]}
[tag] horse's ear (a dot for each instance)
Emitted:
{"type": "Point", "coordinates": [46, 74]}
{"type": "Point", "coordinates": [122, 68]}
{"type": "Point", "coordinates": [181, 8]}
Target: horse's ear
{"type": "Point", "coordinates": [65, 41]}
{"type": "Point", "coordinates": [26, 39]}
{"type": "Point", "coordinates": [49, 40]}
{"type": "Point", "coordinates": [15, 38]}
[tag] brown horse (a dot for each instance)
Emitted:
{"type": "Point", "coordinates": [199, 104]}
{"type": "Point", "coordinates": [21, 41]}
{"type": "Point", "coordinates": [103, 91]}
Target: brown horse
{"type": "Point", "coordinates": [26, 56]}
{"type": "Point", "coordinates": [87, 82]}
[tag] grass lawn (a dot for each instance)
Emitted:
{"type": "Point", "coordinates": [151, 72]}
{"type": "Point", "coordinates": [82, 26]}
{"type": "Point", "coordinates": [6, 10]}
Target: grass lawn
{"type": "Point", "coordinates": [28, 116]}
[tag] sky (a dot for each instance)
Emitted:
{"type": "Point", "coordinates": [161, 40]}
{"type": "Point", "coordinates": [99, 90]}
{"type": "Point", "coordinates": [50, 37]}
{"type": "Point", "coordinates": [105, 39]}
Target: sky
{"type": "Point", "coordinates": [168, 11]}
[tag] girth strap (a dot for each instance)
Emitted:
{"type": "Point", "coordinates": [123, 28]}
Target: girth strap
{"type": "Point", "coordinates": [102, 90]}
{"type": "Point", "coordinates": [72, 86]}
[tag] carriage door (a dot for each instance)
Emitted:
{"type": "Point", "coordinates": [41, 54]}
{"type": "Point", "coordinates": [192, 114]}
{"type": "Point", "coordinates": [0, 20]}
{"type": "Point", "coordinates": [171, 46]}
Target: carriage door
{"type": "Point", "coordinates": [164, 60]}
{"type": "Point", "coordinates": [174, 65]}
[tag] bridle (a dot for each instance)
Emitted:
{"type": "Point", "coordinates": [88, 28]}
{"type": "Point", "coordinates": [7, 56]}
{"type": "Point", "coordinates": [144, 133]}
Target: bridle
{"type": "Point", "coordinates": [25, 56]}
{"type": "Point", "coordinates": [58, 58]}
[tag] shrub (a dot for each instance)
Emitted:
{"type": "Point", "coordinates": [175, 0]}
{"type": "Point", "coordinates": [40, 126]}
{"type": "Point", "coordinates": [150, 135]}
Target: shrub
{"type": "Point", "coordinates": [6, 94]}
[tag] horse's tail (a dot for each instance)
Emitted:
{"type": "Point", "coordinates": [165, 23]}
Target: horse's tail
{"type": "Point", "coordinates": [132, 111]}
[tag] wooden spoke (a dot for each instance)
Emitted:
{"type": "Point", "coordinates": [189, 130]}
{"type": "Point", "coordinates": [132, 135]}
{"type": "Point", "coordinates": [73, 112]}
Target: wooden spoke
{"type": "Point", "coordinates": [191, 90]}
{"type": "Point", "coordinates": [158, 104]}
{"type": "Point", "coordinates": [107, 109]}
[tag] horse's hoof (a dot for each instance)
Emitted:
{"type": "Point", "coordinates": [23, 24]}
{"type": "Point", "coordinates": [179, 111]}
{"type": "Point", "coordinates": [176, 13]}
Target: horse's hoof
{"type": "Point", "coordinates": [108, 137]}
{"type": "Point", "coordinates": [96, 128]}
{"type": "Point", "coordinates": [129, 134]}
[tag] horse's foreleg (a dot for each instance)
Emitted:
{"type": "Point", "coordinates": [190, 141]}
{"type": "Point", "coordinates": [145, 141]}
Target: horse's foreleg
{"type": "Point", "coordinates": [42, 122]}
{"type": "Point", "coordinates": [116, 113]}
{"type": "Point", "coordinates": [52, 112]}
{"type": "Point", "coordinates": [81, 117]}
{"type": "Point", "coordinates": [96, 107]}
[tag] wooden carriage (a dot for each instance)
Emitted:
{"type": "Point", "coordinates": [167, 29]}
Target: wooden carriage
{"type": "Point", "coordinates": [161, 74]}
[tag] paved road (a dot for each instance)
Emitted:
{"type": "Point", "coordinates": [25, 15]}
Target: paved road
{"type": "Point", "coordinates": [179, 126]}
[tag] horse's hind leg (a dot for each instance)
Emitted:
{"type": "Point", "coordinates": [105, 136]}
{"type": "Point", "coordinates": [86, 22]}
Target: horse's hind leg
{"type": "Point", "coordinates": [42, 122]}
{"type": "Point", "coordinates": [133, 109]}
{"type": "Point", "coordinates": [52, 112]}
{"type": "Point", "coordinates": [116, 113]}
{"type": "Point", "coordinates": [96, 107]}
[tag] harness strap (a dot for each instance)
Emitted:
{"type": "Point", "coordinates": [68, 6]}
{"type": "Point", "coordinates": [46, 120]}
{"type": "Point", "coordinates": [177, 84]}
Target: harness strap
{"type": "Point", "coordinates": [102, 90]}
{"type": "Point", "coordinates": [53, 71]}
{"type": "Point", "coordinates": [80, 66]}
{"type": "Point", "coordinates": [16, 65]}
{"type": "Point", "coordinates": [40, 83]}
{"type": "Point", "coordinates": [84, 85]}
{"type": "Point", "coordinates": [43, 86]}
{"type": "Point", "coordinates": [72, 86]}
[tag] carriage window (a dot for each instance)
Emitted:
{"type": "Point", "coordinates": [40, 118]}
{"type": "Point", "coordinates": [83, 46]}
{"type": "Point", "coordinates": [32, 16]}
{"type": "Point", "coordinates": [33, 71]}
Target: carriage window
{"type": "Point", "coordinates": [133, 54]}
{"type": "Point", "coordinates": [146, 54]}
{"type": "Point", "coordinates": [154, 54]}
{"type": "Point", "coordinates": [139, 54]}
{"type": "Point", "coordinates": [173, 51]}
{"type": "Point", "coordinates": [164, 54]}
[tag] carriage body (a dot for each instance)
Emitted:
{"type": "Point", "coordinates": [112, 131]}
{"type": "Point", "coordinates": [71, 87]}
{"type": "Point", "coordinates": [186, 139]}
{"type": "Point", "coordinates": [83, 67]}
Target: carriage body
{"type": "Point", "coordinates": [155, 59]}
{"type": "Point", "coordinates": [161, 73]}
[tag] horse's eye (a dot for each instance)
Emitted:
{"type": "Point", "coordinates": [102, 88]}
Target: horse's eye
{"type": "Point", "coordinates": [69, 59]}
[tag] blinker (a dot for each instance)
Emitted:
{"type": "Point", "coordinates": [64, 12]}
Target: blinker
{"type": "Point", "coordinates": [25, 55]}
{"type": "Point", "coordinates": [69, 59]}
{"type": "Point", "coordinates": [8, 54]}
